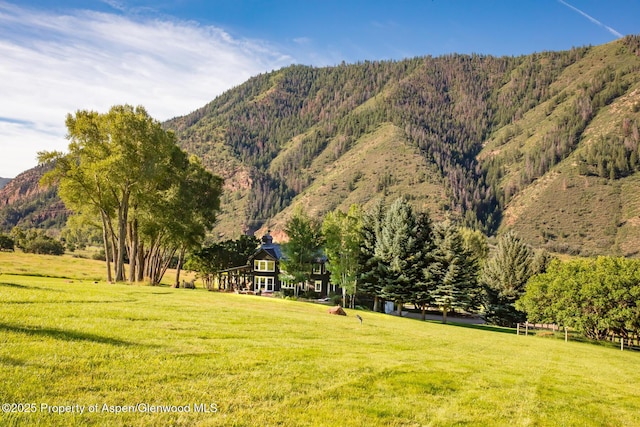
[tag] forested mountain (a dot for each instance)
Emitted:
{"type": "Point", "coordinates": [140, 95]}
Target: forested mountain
{"type": "Point", "coordinates": [546, 144]}
{"type": "Point", "coordinates": [4, 181]}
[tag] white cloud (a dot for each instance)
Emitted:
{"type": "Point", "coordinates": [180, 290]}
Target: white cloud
{"type": "Point", "coordinates": [302, 40]}
{"type": "Point", "coordinates": [56, 64]}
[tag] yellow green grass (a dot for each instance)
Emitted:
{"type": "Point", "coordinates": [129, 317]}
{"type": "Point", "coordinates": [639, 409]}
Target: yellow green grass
{"type": "Point", "coordinates": [67, 266]}
{"type": "Point", "coordinates": [264, 361]}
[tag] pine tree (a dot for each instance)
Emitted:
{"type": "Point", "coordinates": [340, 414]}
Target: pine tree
{"type": "Point", "coordinates": [454, 271]}
{"type": "Point", "coordinates": [396, 248]}
{"type": "Point", "coordinates": [504, 276]}
{"type": "Point", "coordinates": [422, 295]}
{"type": "Point", "coordinates": [372, 270]}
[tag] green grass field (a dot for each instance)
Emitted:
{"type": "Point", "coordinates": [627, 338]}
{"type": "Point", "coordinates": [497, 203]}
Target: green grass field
{"type": "Point", "coordinates": [253, 361]}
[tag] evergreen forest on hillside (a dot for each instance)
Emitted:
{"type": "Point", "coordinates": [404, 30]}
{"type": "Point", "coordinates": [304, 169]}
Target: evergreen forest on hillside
{"type": "Point", "coordinates": [489, 132]}
{"type": "Point", "coordinates": [447, 106]}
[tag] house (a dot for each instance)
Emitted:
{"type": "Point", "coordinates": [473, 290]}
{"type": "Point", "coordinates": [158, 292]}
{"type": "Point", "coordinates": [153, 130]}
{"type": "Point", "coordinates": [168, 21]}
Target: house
{"type": "Point", "coordinates": [262, 275]}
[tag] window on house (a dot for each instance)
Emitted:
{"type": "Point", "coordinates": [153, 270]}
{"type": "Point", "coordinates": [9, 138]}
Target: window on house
{"type": "Point", "coordinates": [317, 268]}
{"type": "Point", "coordinates": [264, 265]}
{"type": "Point", "coordinates": [264, 283]}
{"type": "Point", "coordinates": [318, 285]}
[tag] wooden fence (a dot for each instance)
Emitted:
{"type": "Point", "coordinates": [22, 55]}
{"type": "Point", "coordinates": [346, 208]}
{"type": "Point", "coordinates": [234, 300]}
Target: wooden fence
{"type": "Point", "coordinates": [532, 328]}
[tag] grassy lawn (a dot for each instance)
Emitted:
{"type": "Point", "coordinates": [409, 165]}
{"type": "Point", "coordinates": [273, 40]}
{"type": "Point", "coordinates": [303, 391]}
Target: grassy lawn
{"type": "Point", "coordinates": [67, 266]}
{"type": "Point", "coordinates": [262, 361]}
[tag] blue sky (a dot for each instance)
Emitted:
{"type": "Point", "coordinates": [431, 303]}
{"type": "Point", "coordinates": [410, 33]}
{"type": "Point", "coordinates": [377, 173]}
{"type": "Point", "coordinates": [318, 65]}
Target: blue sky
{"type": "Point", "coordinates": [173, 56]}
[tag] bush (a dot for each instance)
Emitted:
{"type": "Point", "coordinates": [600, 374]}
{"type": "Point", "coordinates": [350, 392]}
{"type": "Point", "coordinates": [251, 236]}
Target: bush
{"type": "Point", "coordinates": [336, 299]}
{"type": "Point", "coordinates": [309, 295]}
{"type": "Point", "coordinates": [6, 243]}
{"type": "Point", "coordinates": [44, 246]}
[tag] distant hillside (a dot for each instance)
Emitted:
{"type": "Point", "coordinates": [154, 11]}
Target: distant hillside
{"type": "Point", "coordinates": [24, 203]}
{"type": "Point", "coordinates": [4, 181]}
{"type": "Point", "coordinates": [546, 144]}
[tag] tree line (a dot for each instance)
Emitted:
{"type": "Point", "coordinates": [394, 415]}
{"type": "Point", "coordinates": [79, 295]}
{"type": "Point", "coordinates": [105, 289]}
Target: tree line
{"type": "Point", "coordinates": [394, 253]}
{"type": "Point", "coordinates": [598, 297]}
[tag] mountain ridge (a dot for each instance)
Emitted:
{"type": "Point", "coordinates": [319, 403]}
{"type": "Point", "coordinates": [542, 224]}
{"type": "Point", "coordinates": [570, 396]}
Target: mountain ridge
{"type": "Point", "coordinates": [470, 137]}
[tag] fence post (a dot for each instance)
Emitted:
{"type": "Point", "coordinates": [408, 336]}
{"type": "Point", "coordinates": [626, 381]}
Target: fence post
{"type": "Point", "coordinates": [566, 335]}
{"type": "Point", "coordinates": [518, 329]}
{"type": "Point", "coordinates": [621, 344]}
{"type": "Point", "coordinates": [526, 328]}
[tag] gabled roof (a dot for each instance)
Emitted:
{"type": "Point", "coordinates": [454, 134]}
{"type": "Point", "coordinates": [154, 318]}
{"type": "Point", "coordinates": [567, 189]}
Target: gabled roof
{"type": "Point", "coordinates": [272, 249]}
{"type": "Point", "coordinates": [270, 252]}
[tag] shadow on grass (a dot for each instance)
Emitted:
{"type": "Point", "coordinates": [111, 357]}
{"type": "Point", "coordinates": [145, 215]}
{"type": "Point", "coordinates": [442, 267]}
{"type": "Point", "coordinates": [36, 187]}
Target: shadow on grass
{"type": "Point", "coordinates": [17, 286]}
{"type": "Point", "coordinates": [71, 301]}
{"type": "Point", "coordinates": [62, 334]}
{"type": "Point", "coordinates": [477, 326]}
{"type": "Point", "coordinates": [10, 361]}
{"type": "Point", "coordinates": [485, 327]}
{"type": "Point", "coordinates": [14, 285]}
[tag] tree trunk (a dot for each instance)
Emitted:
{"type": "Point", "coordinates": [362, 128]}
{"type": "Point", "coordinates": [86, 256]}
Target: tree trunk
{"type": "Point", "coordinates": [140, 263]}
{"type": "Point", "coordinates": [424, 312]}
{"type": "Point", "coordinates": [353, 296]}
{"type": "Point", "coordinates": [133, 252]}
{"type": "Point", "coordinates": [444, 314]}
{"type": "Point", "coordinates": [112, 243]}
{"type": "Point", "coordinates": [344, 295]}
{"type": "Point", "coordinates": [376, 303]}
{"type": "Point", "coordinates": [123, 213]}
{"type": "Point", "coordinates": [400, 309]}
{"type": "Point", "coordinates": [105, 238]}
{"type": "Point", "coordinates": [179, 267]}
{"type": "Point", "coordinates": [165, 260]}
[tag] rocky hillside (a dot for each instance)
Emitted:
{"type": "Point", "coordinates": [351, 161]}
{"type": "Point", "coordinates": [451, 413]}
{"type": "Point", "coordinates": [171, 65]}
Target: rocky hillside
{"type": "Point", "coordinates": [23, 202]}
{"type": "Point", "coordinates": [546, 144]}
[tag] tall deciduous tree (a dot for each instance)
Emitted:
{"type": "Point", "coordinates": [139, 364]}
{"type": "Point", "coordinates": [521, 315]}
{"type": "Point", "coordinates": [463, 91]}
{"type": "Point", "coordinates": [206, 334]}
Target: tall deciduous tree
{"type": "Point", "coordinates": [125, 168]}
{"type": "Point", "coordinates": [342, 245]}
{"type": "Point", "coordinates": [178, 218]}
{"type": "Point", "coordinates": [303, 248]}
{"type": "Point", "coordinates": [598, 297]}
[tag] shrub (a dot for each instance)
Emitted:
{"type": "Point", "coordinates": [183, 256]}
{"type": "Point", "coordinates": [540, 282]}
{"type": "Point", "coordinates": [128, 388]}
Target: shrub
{"type": "Point", "coordinates": [6, 243]}
{"type": "Point", "coordinates": [310, 295]}
{"type": "Point", "coordinates": [336, 299]}
{"type": "Point", "coordinates": [44, 246]}
{"type": "Point", "coordinates": [99, 256]}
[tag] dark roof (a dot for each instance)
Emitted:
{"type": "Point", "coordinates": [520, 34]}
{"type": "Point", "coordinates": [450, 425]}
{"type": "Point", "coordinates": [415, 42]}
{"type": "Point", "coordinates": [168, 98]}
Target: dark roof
{"type": "Point", "coordinates": [270, 252]}
{"type": "Point", "coordinates": [273, 249]}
